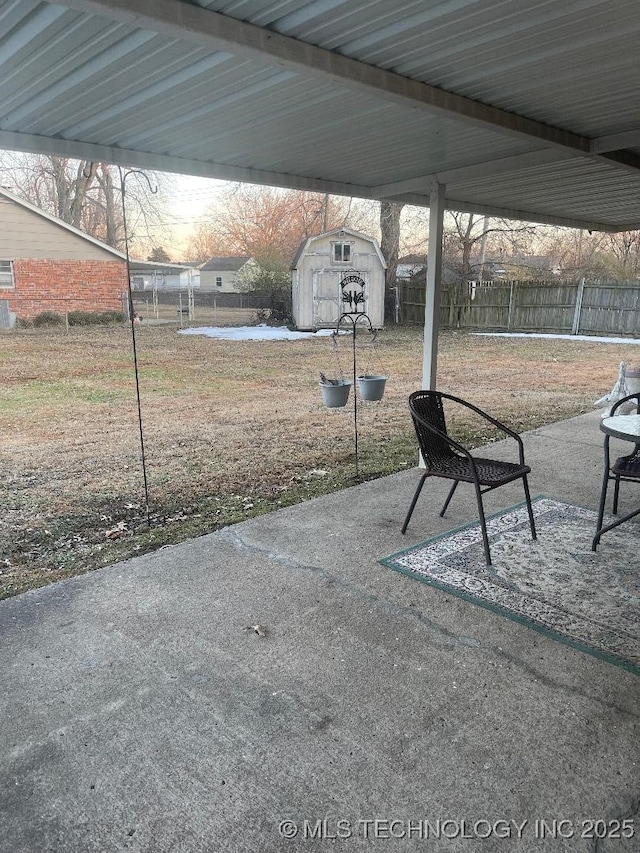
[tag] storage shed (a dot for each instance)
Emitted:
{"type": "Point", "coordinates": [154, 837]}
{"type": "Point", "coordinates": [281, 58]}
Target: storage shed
{"type": "Point", "coordinates": [319, 266]}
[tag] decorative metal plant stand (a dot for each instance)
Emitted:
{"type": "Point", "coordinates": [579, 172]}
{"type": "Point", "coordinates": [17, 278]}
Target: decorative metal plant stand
{"type": "Point", "coordinates": [353, 317]}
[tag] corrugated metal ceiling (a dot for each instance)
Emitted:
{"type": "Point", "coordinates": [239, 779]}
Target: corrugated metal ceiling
{"type": "Point", "coordinates": [522, 108]}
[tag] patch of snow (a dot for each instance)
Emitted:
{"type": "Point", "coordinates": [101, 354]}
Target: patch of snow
{"type": "Point", "coordinates": [588, 338]}
{"type": "Point", "coordinates": [253, 333]}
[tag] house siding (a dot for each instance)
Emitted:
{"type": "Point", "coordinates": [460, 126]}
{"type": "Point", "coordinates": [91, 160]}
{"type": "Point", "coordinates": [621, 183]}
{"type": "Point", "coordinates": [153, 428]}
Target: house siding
{"type": "Point", "coordinates": [65, 285]}
{"type": "Point", "coordinates": [26, 234]}
{"type": "Point", "coordinates": [229, 281]}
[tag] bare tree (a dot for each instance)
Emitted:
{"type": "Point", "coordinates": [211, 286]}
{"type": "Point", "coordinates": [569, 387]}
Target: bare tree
{"type": "Point", "coordinates": [625, 248]}
{"type": "Point", "coordinates": [85, 194]}
{"type": "Point", "coordinates": [577, 252]}
{"type": "Point", "coordinates": [390, 240]}
{"type": "Point", "coordinates": [206, 242]}
{"type": "Point", "coordinates": [265, 223]}
{"type": "Point", "coordinates": [113, 235]}
{"type": "Point", "coordinates": [467, 239]}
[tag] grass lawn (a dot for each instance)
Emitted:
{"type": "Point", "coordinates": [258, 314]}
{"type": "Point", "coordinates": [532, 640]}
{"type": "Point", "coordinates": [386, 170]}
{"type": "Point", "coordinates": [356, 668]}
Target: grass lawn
{"type": "Point", "coordinates": [231, 428]}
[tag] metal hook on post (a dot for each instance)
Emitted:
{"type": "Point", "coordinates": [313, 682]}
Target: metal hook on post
{"type": "Point", "coordinates": [123, 178]}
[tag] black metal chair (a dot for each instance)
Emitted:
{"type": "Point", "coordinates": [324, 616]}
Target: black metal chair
{"type": "Point", "coordinates": [624, 469]}
{"type": "Point", "coordinates": [444, 457]}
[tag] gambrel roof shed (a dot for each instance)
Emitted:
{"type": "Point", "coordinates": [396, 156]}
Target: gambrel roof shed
{"type": "Point", "coordinates": [305, 245]}
{"type": "Point", "coordinates": [318, 269]}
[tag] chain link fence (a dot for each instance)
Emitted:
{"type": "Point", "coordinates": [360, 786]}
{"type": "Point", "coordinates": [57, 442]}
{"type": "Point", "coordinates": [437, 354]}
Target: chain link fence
{"type": "Point", "coordinates": [204, 308]}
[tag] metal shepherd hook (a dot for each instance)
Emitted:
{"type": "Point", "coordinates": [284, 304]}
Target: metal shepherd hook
{"type": "Point", "coordinates": [356, 301]}
{"type": "Point", "coordinates": [123, 178]}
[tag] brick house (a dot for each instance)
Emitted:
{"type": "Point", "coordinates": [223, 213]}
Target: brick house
{"type": "Point", "coordinates": [48, 265]}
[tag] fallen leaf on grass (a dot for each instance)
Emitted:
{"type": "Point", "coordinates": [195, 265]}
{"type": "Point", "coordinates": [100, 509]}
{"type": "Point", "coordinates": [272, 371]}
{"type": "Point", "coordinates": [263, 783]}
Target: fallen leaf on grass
{"type": "Point", "coordinates": [116, 532]}
{"type": "Point", "coordinates": [260, 630]}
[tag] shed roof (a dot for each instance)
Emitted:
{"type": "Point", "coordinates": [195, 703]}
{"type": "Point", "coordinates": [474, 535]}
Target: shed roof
{"type": "Point", "coordinates": [305, 245]}
{"type": "Point", "coordinates": [526, 109]}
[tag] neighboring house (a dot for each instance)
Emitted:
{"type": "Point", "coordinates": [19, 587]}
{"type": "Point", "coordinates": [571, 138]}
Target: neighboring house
{"type": "Point", "coordinates": [448, 275]}
{"type": "Point", "coordinates": [524, 266]}
{"type": "Point", "coordinates": [154, 275]}
{"type": "Point", "coordinates": [410, 266]}
{"type": "Point", "coordinates": [227, 275]}
{"type": "Point", "coordinates": [319, 266]}
{"type": "Point", "coordinates": [48, 265]}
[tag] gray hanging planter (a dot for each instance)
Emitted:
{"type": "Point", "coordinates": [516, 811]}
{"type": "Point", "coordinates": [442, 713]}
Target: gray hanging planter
{"type": "Point", "coordinates": [371, 387]}
{"type": "Point", "coordinates": [335, 392]}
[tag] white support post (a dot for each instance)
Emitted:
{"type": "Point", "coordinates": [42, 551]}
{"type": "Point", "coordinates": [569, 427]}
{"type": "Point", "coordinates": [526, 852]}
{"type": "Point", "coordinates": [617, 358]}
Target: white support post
{"type": "Point", "coordinates": [575, 326]}
{"type": "Point", "coordinates": [434, 287]}
{"type": "Point", "coordinates": [510, 312]}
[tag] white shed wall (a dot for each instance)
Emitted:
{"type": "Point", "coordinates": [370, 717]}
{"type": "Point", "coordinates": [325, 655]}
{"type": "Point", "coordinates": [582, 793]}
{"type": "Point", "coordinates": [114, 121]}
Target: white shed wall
{"type": "Point", "coordinates": [316, 295]}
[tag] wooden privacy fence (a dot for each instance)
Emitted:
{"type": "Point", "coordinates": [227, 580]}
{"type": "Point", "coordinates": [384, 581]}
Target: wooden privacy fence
{"type": "Point", "coordinates": [567, 307]}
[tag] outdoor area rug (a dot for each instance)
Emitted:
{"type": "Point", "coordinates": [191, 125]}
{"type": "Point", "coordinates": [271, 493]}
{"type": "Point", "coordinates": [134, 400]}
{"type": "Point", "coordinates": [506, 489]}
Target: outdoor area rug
{"type": "Point", "coordinates": [556, 585]}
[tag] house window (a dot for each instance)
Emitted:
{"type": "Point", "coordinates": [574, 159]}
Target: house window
{"type": "Point", "coordinates": [6, 274]}
{"type": "Point", "coordinates": [218, 281]}
{"type": "Point", "coordinates": [341, 253]}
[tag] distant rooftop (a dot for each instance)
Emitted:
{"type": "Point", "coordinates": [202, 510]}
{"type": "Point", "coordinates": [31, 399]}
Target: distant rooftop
{"type": "Point", "coordinates": [229, 264]}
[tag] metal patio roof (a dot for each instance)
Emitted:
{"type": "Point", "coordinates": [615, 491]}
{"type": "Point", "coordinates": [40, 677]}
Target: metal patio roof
{"type": "Point", "coordinates": [526, 109]}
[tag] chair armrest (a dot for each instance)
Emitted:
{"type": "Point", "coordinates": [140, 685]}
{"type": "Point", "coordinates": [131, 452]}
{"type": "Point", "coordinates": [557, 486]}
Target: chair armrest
{"type": "Point", "coordinates": [635, 396]}
{"type": "Point", "coordinates": [502, 427]}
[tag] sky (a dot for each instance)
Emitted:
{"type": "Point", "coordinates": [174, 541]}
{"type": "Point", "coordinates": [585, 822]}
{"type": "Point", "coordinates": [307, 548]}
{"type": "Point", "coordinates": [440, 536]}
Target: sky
{"type": "Point", "coordinates": [186, 199]}
{"type": "Point", "coordinates": [189, 199]}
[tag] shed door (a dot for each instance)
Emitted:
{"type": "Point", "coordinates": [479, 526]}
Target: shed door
{"type": "Point", "coordinates": [327, 298]}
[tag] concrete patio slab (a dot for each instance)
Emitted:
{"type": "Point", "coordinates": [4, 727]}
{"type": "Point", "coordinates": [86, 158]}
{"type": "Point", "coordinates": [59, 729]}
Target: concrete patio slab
{"type": "Point", "coordinates": [141, 711]}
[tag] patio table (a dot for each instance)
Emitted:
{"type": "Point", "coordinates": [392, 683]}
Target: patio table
{"type": "Point", "coordinates": [626, 428]}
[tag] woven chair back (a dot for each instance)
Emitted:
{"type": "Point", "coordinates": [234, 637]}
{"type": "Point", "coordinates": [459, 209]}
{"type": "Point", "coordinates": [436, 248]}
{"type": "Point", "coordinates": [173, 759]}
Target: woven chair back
{"type": "Point", "coordinates": [436, 452]}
